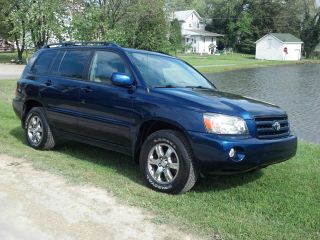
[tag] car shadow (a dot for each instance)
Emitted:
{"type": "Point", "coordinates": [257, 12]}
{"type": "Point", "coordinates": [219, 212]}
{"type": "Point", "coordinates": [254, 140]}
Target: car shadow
{"type": "Point", "coordinates": [125, 166]}
{"type": "Point", "coordinates": [223, 182]}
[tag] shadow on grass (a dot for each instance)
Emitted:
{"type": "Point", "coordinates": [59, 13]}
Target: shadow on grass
{"type": "Point", "coordinates": [125, 166]}
{"type": "Point", "coordinates": [223, 182]}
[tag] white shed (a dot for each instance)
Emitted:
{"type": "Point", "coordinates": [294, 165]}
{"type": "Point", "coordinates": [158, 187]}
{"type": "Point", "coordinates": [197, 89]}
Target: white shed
{"type": "Point", "coordinates": [279, 46]}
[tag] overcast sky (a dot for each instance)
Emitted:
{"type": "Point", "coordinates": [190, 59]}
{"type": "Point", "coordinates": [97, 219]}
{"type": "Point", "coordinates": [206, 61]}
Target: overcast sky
{"type": "Point", "coordinates": [318, 3]}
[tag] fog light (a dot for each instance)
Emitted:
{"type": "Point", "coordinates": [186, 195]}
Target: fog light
{"type": "Point", "coordinates": [232, 153]}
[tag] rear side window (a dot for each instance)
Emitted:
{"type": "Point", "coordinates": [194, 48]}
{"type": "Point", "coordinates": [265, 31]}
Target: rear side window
{"type": "Point", "coordinates": [74, 63]}
{"type": "Point", "coordinates": [43, 62]}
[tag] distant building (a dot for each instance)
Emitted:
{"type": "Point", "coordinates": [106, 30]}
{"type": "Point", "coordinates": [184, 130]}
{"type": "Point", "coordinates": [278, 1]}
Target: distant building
{"type": "Point", "coordinates": [279, 46]}
{"type": "Point", "coordinates": [195, 37]}
{"type": "Point", "coordinates": [5, 46]}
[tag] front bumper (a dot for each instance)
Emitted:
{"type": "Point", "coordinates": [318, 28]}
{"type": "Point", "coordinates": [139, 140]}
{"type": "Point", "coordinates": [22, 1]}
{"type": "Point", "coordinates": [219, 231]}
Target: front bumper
{"type": "Point", "coordinates": [212, 152]}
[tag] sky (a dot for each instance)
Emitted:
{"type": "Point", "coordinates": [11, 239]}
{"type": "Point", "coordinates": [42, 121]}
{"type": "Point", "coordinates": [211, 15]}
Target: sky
{"type": "Point", "coordinates": [318, 3]}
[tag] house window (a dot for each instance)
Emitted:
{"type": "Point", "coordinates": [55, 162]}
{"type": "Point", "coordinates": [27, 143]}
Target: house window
{"type": "Point", "coordinates": [198, 25]}
{"type": "Point", "coordinates": [212, 39]}
{"type": "Point", "coordinates": [187, 40]}
{"type": "Point", "coordinates": [192, 16]}
{"type": "Point", "coordinates": [195, 41]}
{"type": "Point", "coordinates": [189, 25]}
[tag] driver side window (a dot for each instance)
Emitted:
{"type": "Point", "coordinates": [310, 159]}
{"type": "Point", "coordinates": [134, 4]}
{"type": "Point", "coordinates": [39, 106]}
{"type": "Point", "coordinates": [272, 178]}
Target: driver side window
{"type": "Point", "coordinates": [104, 64]}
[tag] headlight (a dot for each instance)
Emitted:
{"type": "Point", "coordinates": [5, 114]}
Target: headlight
{"type": "Point", "coordinates": [224, 124]}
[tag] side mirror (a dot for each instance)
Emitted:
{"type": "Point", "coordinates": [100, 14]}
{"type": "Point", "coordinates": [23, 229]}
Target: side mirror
{"type": "Point", "coordinates": [121, 79]}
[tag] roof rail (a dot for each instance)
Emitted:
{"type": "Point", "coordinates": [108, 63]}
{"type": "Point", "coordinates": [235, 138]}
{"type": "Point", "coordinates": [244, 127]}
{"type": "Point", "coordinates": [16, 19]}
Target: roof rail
{"type": "Point", "coordinates": [164, 53]}
{"type": "Point", "coordinates": [70, 44]}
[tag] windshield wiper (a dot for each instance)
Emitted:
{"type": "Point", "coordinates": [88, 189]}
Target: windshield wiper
{"type": "Point", "coordinates": [199, 87]}
{"type": "Point", "coordinates": [165, 86]}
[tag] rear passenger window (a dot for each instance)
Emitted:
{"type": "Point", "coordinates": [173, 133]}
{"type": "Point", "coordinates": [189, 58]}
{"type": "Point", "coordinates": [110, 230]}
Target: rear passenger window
{"type": "Point", "coordinates": [104, 64]}
{"type": "Point", "coordinates": [73, 63]}
{"type": "Point", "coordinates": [43, 62]}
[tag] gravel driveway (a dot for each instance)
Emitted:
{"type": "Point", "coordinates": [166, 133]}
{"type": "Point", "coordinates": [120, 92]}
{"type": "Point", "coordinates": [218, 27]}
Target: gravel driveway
{"type": "Point", "coordinates": [39, 205]}
{"type": "Point", "coordinates": [10, 71]}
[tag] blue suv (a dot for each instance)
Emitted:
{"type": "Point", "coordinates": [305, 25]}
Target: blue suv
{"type": "Point", "coordinates": [155, 108]}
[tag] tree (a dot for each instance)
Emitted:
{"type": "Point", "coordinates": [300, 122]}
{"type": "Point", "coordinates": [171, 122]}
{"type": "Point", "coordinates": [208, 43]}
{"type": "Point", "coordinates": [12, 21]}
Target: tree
{"type": "Point", "coordinates": [99, 19]}
{"type": "Point", "coordinates": [146, 27]}
{"type": "Point", "coordinates": [310, 33]}
{"type": "Point", "coordinates": [4, 26]}
{"type": "Point", "coordinates": [16, 22]}
{"type": "Point", "coordinates": [175, 37]}
{"type": "Point", "coordinates": [45, 21]}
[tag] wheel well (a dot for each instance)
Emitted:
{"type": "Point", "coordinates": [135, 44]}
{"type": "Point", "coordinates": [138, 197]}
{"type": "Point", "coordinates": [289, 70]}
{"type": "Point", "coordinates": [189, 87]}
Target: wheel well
{"type": "Point", "coordinates": [148, 128]}
{"type": "Point", "coordinates": [27, 107]}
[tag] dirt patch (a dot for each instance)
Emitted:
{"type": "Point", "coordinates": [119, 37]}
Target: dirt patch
{"type": "Point", "coordinates": [40, 205]}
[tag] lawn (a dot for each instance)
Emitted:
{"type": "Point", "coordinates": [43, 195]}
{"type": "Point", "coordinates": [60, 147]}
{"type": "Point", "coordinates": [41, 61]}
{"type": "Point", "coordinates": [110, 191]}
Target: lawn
{"type": "Point", "coordinates": [279, 202]}
{"type": "Point", "coordinates": [8, 56]}
{"type": "Point", "coordinates": [219, 63]}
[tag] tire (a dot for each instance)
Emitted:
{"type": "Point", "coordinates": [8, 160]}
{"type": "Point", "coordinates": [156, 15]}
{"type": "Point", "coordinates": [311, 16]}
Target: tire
{"type": "Point", "coordinates": [37, 130]}
{"type": "Point", "coordinates": [168, 171]}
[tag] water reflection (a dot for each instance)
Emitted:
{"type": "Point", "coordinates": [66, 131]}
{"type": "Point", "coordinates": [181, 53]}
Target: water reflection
{"type": "Point", "coordinates": [296, 89]}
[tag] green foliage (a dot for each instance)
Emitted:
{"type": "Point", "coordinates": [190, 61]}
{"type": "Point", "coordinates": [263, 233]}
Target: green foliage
{"type": "Point", "coordinates": [45, 19]}
{"type": "Point", "coordinates": [146, 27]}
{"type": "Point", "coordinates": [145, 23]}
{"type": "Point", "coordinates": [245, 21]}
{"type": "Point", "coordinates": [137, 24]}
{"type": "Point", "coordinates": [175, 37]}
{"type": "Point", "coordinates": [310, 33]}
{"type": "Point", "coordinates": [86, 23]}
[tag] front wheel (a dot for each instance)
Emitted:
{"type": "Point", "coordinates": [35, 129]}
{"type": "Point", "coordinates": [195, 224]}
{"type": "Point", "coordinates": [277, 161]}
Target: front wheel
{"type": "Point", "coordinates": [166, 162]}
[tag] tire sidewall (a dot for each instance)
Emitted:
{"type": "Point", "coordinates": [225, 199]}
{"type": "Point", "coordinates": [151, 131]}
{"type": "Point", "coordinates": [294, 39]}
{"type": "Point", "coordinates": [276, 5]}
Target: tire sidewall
{"type": "Point", "coordinates": [39, 113]}
{"type": "Point", "coordinates": [179, 182]}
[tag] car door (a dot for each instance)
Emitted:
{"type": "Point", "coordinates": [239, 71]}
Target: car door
{"type": "Point", "coordinates": [61, 91]}
{"type": "Point", "coordinates": [107, 110]}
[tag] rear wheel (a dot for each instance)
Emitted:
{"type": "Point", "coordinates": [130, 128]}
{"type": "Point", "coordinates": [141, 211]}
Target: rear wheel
{"type": "Point", "coordinates": [37, 130]}
{"type": "Point", "coordinates": [166, 162]}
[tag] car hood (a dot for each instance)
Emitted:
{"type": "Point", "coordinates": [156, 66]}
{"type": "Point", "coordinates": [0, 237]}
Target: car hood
{"type": "Point", "coordinates": [209, 100]}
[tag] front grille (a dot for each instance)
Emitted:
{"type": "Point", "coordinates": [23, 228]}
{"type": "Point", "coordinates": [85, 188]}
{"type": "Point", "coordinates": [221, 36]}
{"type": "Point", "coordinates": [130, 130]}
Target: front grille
{"type": "Point", "coordinates": [266, 126]}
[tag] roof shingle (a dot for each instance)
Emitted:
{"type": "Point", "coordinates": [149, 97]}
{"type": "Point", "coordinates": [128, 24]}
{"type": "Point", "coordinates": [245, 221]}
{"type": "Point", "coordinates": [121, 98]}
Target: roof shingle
{"type": "Point", "coordinates": [286, 37]}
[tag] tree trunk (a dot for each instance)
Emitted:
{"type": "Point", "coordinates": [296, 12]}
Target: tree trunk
{"type": "Point", "coordinates": [20, 56]}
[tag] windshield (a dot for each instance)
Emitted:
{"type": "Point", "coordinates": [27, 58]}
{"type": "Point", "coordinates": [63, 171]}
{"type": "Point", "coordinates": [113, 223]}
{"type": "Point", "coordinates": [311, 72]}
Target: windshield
{"type": "Point", "coordinates": [161, 71]}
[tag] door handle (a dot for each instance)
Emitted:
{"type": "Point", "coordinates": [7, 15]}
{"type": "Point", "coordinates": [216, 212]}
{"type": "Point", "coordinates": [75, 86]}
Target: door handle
{"type": "Point", "coordinates": [48, 83]}
{"type": "Point", "coordinates": [86, 89]}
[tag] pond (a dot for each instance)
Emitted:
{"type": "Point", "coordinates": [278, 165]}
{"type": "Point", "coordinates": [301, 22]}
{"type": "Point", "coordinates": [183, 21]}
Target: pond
{"type": "Point", "coordinates": [296, 89]}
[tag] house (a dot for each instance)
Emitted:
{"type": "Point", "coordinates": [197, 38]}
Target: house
{"type": "Point", "coordinates": [5, 46]}
{"type": "Point", "coordinates": [195, 37]}
{"type": "Point", "coordinates": [279, 46]}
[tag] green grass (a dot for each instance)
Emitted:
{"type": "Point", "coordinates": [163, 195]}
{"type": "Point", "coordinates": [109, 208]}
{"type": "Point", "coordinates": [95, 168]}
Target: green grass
{"type": "Point", "coordinates": [8, 56]}
{"type": "Point", "coordinates": [214, 63]}
{"type": "Point", "coordinates": [279, 202]}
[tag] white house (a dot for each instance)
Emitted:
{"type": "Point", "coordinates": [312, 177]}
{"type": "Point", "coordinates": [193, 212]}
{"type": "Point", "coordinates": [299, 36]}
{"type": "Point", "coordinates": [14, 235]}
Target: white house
{"type": "Point", "coordinates": [279, 46]}
{"type": "Point", "coordinates": [194, 34]}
